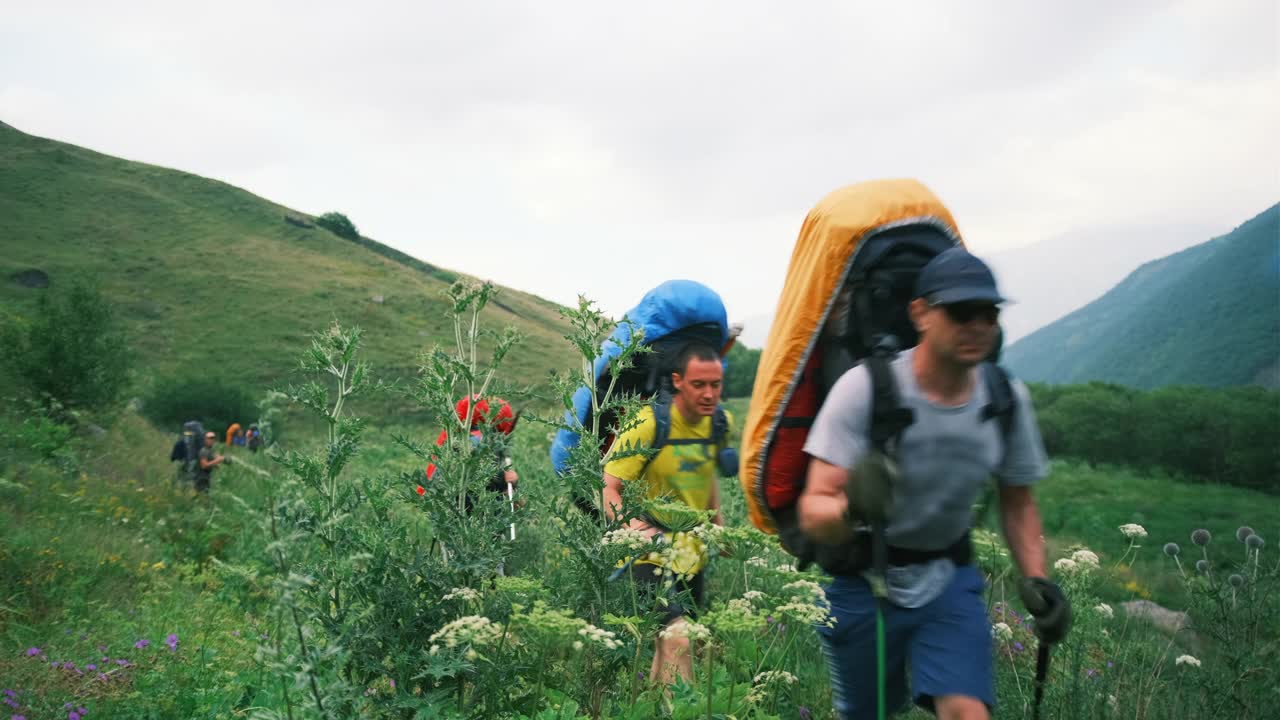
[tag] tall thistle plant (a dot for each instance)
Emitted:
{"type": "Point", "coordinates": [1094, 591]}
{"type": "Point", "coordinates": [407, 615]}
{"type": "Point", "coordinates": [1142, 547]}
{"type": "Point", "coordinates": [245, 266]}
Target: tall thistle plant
{"type": "Point", "coordinates": [313, 560]}
{"type": "Point", "coordinates": [470, 525]}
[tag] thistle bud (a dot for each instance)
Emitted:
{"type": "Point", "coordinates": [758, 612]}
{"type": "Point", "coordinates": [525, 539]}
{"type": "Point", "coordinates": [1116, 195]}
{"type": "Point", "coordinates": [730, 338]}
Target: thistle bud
{"type": "Point", "coordinates": [1254, 542]}
{"type": "Point", "coordinates": [1201, 537]}
{"type": "Point", "coordinates": [1236, 580]}
{"type": "Point", "coordinates": [1172, 549]}
{"type": "Point", "coordinates": [1243, 532]}
{"type": "Point", "coordinates": [1202, 567]}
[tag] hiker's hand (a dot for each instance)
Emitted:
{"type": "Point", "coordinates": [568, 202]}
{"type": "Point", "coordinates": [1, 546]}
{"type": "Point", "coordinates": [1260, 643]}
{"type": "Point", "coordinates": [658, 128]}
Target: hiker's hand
{"type": "Point", "coordinates": [869, 487]}
{"type": "Point", "coordinates": [510, 476]}
{"type": "Point", "coordinates": [1048, 605]}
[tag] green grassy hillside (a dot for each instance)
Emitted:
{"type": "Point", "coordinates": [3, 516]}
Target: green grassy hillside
{"type": "Point", "coordinates": [1205, 316]}
{"type": "Point", "coordinates": [209, 276]}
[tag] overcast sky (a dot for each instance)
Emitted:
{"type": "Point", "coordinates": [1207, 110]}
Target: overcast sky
{"type": "Point", "coordinates": [602, 147]}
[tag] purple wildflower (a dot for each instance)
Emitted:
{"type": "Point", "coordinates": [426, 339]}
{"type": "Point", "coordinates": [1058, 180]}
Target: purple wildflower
{"type": "Point", "coordinates": [10, 693]}
{"type": "Point", "coordinates": [804, 713]}
{"type": "Point", "coordinates": [172, 642]}
{"type": "Point", "coordinates": [11, 703]}
{"type": "Point", "coordinates": [103, 677]}
{"type": "Point", "coordinates": [73, 715]}
{"type": "Point", "coordinates": [90, 667]}
{"type": "Point", "coordinates": [122, 662]}
{"type": "Point", "coordinates": [82, 711]}
{"type": "Point", "coordinates": [102, 648]}
{"type": "Point", "coordinates": [1018, 646]}
{"type": "Point", "coordinates": [18, 717]}
{"type": "Point", "coordinates": [393, 684]}
{"type": "Point", "coordinates": [32, 652]}
{"type": "Point", "coordinates": [141, 643]}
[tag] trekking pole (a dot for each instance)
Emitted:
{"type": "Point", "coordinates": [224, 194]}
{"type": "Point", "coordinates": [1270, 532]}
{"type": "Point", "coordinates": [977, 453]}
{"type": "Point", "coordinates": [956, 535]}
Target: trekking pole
{"type": "Point", "coordinates": [511, 497]}
{"type": "Point", "coordinates": [879, 588]}
{"type": "Point", "coordinates": [1042, 672]}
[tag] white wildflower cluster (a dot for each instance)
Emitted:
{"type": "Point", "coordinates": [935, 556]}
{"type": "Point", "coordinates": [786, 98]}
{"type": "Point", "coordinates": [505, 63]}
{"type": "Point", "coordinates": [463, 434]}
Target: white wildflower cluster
{"type": "Point", "coordinates": [463, 594]}
{"type": "Point", "coordinates": [775, 679]}
{"type": "Point", "coordinates": [741, 606]}
{"type": "Point", "coordinates": [807, 613]}
{"type": "Point", "coordinates": [1104, 610]}
{"type": "Point", "coordinates": [605, 638]}
{"type": "Point", "coordinates": [1187, 660]}
{"type": "Point", "coordinates": [785, 568]}
{"type": "Point", "coordinates": [686, 629]}
{"type": "Point", "coordinates": [1133, 531]}
{"type": "Point", "coordinates": [752, 595]}
{"type": "Point", "coordinates": [757, 561]}
{"type": "Point", "coordinates": [806, 591]}
{"type": "Point", "coordinates": [1086, 559]}
{"type": "Point", "coordinates": [468, 630]}
{"type": "Point", "coordinates": [709, 533]}
{"type": "Point", "coordinates": [808, 604]}
{"type": "Point", "coordinates": [628, 538]}
{"type": "Point", "coordinates": [1002, 632]}
{"type": "Point", "coordinates": [1081, 561]}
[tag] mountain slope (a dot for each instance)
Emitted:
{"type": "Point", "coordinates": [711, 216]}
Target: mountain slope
{"type": "Point", "coordinates": [209, 277]}
{"type": "Point", "coordinates": [1209, 315]}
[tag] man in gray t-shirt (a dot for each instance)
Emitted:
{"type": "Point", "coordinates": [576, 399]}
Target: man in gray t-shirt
{"type": "Point", "coordinates": [934, 617]}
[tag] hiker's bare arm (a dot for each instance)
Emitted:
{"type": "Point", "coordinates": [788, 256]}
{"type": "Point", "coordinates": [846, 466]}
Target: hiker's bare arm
{"type": "Point", "coordinates": [613, 504]}
{"type": "Point", "coordinates": [1020, 517]}
{"type": "Point", "coordinates": [823, 503]}
{"type": "Point", "coordinates": [206, 464]}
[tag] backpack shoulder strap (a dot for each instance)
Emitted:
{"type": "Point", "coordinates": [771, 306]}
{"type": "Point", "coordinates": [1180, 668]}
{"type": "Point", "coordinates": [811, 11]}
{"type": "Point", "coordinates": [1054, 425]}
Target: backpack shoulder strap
{"type": "Point", "coordinates": [1001, 403]}
{"type": "Point", "coordinates": [889, 418]}
{"type": "Point", "coordinates": [719, 427]}
{"type": "Point", "coordinates": [662, 421]}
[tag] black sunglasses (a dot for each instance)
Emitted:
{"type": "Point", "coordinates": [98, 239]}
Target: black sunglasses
{"type": "Point", "coordinates": [964, 312]}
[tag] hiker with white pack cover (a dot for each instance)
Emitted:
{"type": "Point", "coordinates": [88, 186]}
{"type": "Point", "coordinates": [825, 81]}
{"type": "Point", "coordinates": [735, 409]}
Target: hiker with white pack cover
{"type": "Point", "coordinates": [877, 419]}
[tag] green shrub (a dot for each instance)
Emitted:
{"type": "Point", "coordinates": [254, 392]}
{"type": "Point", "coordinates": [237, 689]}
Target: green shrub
{"type": "Point", "coordinates": [216, 402]}
{"type": "Point", "coordinates": [338, 224]}
{"type": "Point", "coordinates": [72, 352]}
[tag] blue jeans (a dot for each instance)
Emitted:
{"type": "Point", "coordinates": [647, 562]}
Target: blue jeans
{"type": "Point", "coordinates": [946, 643]}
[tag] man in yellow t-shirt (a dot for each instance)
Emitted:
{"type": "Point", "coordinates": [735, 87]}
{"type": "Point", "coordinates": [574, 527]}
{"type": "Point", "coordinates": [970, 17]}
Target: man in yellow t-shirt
{"type": "Point", "coordinates": [684, 469]}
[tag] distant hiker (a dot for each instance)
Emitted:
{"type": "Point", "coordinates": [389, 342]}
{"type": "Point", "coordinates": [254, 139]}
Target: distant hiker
{"type": "Point", "coordinates": [689, 428]}
{"type": "Point", "coordinates": [186, 451]}
{"type": "Point", "coordinates": [208, 460]}
{"type": "Point", "coordinates": [253, 438]}
{"type": "Point", "coordinates": [498, 416]}
{"type": "Point", "coordinates": [232, 432]}
{"type": "Point", "coordinates": [877, 418]}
